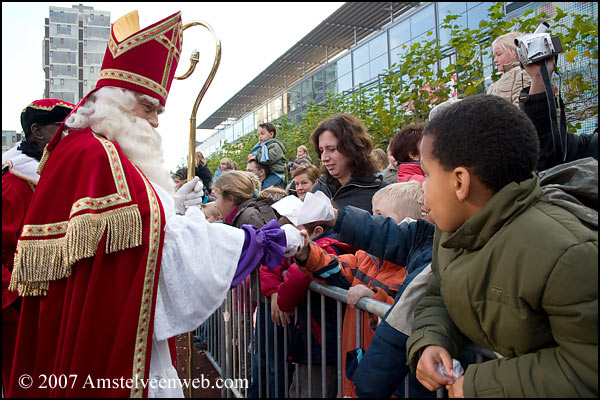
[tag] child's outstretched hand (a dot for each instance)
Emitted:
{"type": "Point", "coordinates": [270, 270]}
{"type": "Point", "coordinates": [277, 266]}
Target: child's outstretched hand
{"type": "Point", "coordinates": [280, 318]}
{"type": "Point", "coordinates": [355, 293]}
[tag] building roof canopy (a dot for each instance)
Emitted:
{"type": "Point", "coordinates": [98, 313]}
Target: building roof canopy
{"type": "Point", "coordinates": [347, 26]}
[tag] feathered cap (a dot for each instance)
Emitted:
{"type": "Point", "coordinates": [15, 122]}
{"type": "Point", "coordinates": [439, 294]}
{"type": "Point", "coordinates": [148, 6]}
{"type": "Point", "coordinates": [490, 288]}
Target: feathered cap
{"type": "Point", "coordinates": [43, 112]}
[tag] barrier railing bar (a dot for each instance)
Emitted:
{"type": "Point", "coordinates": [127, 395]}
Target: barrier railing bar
{"type": "Point", "coordinates": [339, 347]}
{"type": "Point", "coordinates": [323, 349]}
{"type": "Point", "coordinates": [258, 335]}
{"type": "Point", "coordinates": [267, 359]}
{"type": "Point", "coordinates": [309, 343]}
{"type": "Point", "coordinates": [222, 355]}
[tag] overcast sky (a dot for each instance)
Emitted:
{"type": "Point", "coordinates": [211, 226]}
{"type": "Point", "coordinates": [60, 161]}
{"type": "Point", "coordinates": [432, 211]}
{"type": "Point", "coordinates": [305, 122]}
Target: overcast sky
{"type": "Point", "coordinates": [252, 35]}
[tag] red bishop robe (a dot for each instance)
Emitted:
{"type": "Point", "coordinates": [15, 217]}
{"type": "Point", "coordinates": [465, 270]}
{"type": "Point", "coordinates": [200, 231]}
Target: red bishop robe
{"type": "Point", "coordinates": [16, 196]}
{"type": "Point", "coordinates": [87, 264]}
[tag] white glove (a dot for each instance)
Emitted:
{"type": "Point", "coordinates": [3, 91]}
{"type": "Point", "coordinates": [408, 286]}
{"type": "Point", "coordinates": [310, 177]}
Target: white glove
{"type": "Point", "coordinates": [189, 195]}
{"type": "Point", "coordinates": [294, 241]}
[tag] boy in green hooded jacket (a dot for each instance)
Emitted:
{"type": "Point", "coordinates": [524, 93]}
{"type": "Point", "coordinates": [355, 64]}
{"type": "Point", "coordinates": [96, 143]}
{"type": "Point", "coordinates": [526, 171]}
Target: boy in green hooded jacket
{"type": "Point", "coordinates": [511, 272]}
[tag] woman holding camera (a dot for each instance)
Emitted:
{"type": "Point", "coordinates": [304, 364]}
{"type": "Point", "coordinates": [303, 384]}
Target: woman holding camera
{"type": "Point", "coordinates": [513, 78]}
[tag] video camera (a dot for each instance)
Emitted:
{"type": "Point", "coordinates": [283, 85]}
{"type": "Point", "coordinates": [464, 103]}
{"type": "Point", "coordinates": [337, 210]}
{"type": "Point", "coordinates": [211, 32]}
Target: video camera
{"type": "Point", "coordinates": [537, 46]}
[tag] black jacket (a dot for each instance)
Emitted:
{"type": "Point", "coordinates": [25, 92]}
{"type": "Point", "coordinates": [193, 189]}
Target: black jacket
{"type": "Point", "coordinates": [357, 192]}
{"type": "Point", "coordinates": [204, 173]}
{"type": "Point", "coordinates": [578, 146]}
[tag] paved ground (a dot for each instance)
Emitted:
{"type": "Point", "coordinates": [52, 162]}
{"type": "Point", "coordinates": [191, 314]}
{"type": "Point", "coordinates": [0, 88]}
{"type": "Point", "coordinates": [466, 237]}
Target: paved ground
{"type": "Point", "coordinates": [201, 368]}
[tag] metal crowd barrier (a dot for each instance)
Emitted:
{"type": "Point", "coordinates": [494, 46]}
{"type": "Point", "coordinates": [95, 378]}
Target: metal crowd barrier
{"type": "Point", "coordinates": [229, 336]}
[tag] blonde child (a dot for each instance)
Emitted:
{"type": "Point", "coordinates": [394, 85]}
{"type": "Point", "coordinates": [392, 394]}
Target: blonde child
{"type": "Point", "coordinates": [398, 201]}
{"type": "Point", "coordinates": [513, 78]}
{"type": "Point", "coordinates": [226, 164]}
{"type": "Point", "coordinates": [211, 212]}
{"type": "Point", "coordinates": [236, 199]}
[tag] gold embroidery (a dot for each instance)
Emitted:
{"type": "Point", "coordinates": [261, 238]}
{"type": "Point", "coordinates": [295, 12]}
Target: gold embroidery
{"type": "Point", "coordinates": [58, 228]}
{"type": "Point", "coordinates": [141, 340]}
{"type": "Point", "coordinates": [167, 70]}
{"type": "Point", "coordinates": [43, 160]}
{"type": "Point", "coordinates": [37, 262]}
{"type": "Point", "coordinates": [48, 108]}
{"type": "Point", "coordinates": [125, 76]}
{"type": "Point", "coordinates": [116, 166]}
{"type": "Point", "coordinates": [99, 203]}
{"type": "Point", "coordinates": [122, 196]}
{"type": "Point", "coordinates": [170, 45]}
{"type": "Point", "coordinates": [169, 62]}
{"type": "Point", "coordinates": [173, 52]}
{"type": "Point", "coordinates": [142, 37]}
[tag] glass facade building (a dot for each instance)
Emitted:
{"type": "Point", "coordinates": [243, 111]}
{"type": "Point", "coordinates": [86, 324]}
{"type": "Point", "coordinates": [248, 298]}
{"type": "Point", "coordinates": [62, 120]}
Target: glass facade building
{"type": "Point", "coordinates": [74, 44]}
{"type": "Point", "coordinates": [366, 61]}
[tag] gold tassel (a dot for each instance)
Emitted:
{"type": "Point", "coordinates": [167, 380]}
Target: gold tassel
{"type": "Point", "coordinates": [38, 255]}
{"type": "Point", "coordinates": [37, 262]}
{"type": "Point", "coordinates": [124, 230]}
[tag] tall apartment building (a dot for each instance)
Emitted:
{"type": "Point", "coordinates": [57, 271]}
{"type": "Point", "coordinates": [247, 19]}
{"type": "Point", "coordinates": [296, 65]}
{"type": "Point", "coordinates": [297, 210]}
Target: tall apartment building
{"type": "Point", "coordinates": [75, 40]}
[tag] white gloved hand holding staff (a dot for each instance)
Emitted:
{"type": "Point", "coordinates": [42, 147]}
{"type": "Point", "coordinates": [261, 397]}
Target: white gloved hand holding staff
{"type": "Point", "coordinates": [189, 195]}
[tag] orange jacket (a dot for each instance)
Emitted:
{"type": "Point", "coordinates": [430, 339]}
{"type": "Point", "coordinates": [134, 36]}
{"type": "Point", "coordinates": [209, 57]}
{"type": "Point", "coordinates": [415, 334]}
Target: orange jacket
{"type": "Point", "coordinates": [345, 271]}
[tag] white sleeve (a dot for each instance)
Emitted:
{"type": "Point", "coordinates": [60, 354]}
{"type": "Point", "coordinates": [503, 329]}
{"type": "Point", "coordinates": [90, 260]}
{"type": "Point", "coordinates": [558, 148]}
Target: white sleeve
{"type": "Point", "coordinates": [199, 260]}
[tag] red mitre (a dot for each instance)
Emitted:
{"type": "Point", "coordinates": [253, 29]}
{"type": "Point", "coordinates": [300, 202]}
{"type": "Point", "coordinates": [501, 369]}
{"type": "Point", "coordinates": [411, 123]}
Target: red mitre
{"type": "Point", "coordinates": [142, 60]}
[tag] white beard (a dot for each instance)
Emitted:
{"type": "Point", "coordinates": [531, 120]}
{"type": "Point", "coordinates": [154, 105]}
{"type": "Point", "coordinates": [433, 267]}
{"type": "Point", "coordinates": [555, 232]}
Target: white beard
{"type": "Point", "coordinates": [139, 141]}
{"type": "Point", "coordinates": [142, 145]}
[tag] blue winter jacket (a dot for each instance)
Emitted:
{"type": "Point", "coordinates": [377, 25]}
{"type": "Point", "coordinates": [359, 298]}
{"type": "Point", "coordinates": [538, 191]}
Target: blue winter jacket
{"type": "Point", "coordinates": [407, 244]}
{"type": "Point", "coordinates": [382, 369]}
